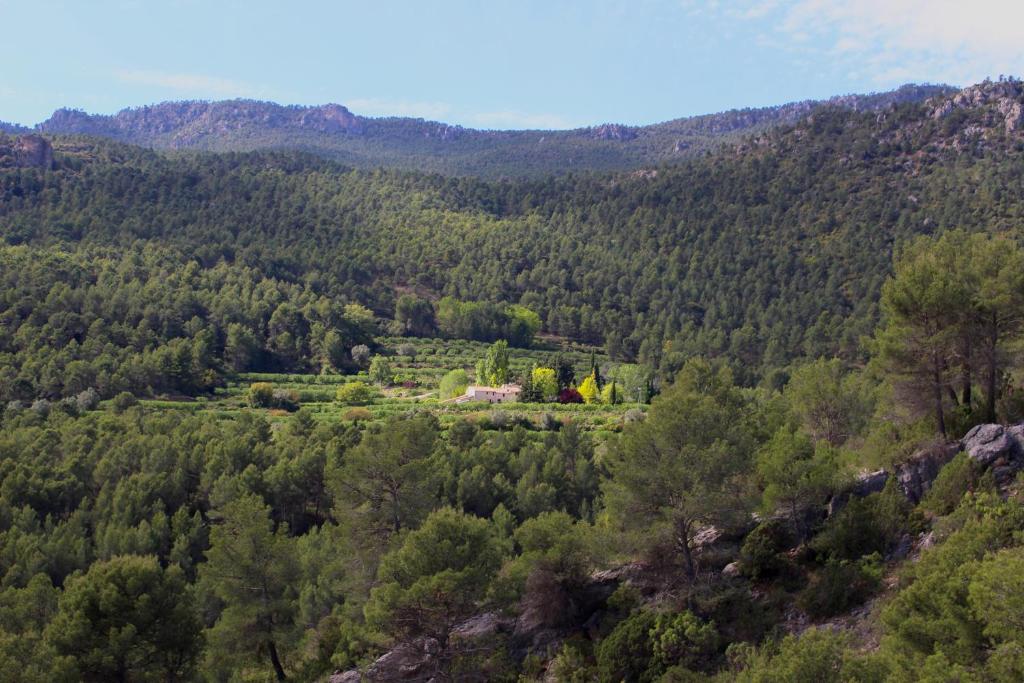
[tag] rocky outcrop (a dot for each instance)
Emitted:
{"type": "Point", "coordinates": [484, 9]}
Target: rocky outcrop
{"type": "Point", "coordinates": [915, 476]}
{"type": "Point", "coordinates": [1004, 100]}
{"type": "Point", "coordinates": [612, 131]}
{"type": "Point", "coordinates": [26, 151]}
{"type": "Point", "coordinates": [183, 124]}
{"type": "Point", "coordinates": [998, 448]}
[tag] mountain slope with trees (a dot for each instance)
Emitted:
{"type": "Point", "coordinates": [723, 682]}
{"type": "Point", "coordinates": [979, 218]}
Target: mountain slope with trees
{"type": "Point", "coordinates": [825, 487]}
{"type": "Point", "coordinates": [762, 254]}
{"type": "Point", "coordinates": [332, 131]}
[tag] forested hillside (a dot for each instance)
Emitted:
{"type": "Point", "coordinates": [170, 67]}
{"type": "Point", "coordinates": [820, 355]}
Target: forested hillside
{"type": "Point", "coordinates": [333, 132]}
{"type": "Point", "coordinates": [769, 424]}
{"type": "Point", "coordinates": [762, 255]}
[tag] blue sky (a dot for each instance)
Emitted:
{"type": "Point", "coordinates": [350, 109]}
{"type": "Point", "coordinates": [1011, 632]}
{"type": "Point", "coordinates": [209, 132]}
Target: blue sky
{"type": "Point", "coordinates": [494, 63]}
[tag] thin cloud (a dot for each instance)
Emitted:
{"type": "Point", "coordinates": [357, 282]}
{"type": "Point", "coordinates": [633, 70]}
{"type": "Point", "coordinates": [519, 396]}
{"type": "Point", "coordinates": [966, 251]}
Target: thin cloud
{"type": "Point", "coordinates": [938, 40]}
{"type": "Point", "coordinates": [194, 84]}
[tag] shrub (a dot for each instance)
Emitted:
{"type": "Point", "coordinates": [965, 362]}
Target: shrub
{"type": "Point", "coordinates": [87, 400]}
{"type": "Point", "coordinates": [124, 401]}
{"type": "Point", "coordinates": [633, 415]}
{"type": "Point", "coordinates": [500, 419]}
{"type": "Point", "coordinates": [683, 640]}
{"type": "Point", "coordinates": [760, 553]}
{"type": "Point", "coordinates": [626, 654]}
{"type": "Point", "coordinates": [355, 394]}
{"type": "Point", "coordinates": [841, 585]}
{"type": "Point", "coordinates": [360, 355]}
{"type": "Point", "coordinates": [407, 349]}
{"type": "Point", "coordinates": [569, 395]}
{"type": "Point", "coordinates": [550, 423]}
{"type": "Point", "coordinates": [453, 384]}
{"type": "Point", "coordinates": [357, 415]}
{"type": "Point", "coordinates": [955, 479]}
{"type": "Point", "coordinates": [41, 407]}
{"type": "Point", "coordinates": [867, 525]}
{"type": "Point", "coordinates": [261, 395]}
{"type": "Point", "coordinates": [285, 399]}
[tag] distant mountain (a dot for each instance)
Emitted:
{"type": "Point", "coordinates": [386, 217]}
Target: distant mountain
{"type": "Point", "coordinates": [13, 128]}
{"type": "Point", "coordinates": [336, 133]}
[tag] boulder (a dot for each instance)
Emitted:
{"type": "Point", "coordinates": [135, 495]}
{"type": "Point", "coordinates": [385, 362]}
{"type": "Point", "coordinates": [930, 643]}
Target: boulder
{"type": "Point", "coordinates": [731, 570]}
{"type": "Point", "coordinates": [413, 661]}
{"type": "Point", "coordinates": [350, 676]}
{"type": "Point", "coordinates": [987, 443]}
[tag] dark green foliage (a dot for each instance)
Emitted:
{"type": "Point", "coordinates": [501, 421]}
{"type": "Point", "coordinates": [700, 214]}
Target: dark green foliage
{"type": "Point", "coordinates": [128, 619]}
{"type": "Point", "coordinates": [626, 654]}
{"type": "Point", "coordinates": [867, 525]}
{"type": "Point", "coordinates": [959, 476]}
{"type": "Point", "coordinates": [839, 586]}
{"type": "Point", "coordinates": [760, 555]}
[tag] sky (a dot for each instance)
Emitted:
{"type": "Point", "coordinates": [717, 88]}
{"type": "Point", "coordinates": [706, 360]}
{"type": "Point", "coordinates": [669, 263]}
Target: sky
{"type": "Point", "coordinates": [494, 63]}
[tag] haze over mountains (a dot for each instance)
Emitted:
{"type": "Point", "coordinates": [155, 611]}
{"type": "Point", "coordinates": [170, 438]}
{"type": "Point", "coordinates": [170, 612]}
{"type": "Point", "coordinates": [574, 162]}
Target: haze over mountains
{"type": "Point", "coordinates": [332, 131]}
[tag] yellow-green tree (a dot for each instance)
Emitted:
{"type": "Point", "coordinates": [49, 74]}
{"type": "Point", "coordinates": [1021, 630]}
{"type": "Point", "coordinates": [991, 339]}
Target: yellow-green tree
{"type": "Point", "coordinates": [589, 390]}
{"type": "Point", "coordinates": [545, 383]}
{"type": "Point", "coordinates": [611, 394]}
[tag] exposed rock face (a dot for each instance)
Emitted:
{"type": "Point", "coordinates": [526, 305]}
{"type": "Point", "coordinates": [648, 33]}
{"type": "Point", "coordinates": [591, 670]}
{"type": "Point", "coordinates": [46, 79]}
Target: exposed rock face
{"type": "Point", "coordinates": [612, 131]}
{"type": "Point", "coordinates": [183, 124]}
{"type": "Point", "coordinates": [916, 475]}
{"type": "Point", "coordinates": [26, 151]}
{"type": "Point", "coordinates": [1005, 99]}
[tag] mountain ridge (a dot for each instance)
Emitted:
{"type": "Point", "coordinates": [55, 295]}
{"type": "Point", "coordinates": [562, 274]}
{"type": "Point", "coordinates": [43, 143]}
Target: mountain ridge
{"type": "Point", "coordinates": [335, 132]}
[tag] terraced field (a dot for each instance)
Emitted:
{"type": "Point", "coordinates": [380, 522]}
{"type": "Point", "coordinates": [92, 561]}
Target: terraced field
{"type": "Point", "coordinates": [419, 365]}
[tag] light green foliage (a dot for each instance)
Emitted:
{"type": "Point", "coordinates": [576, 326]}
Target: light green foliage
{"type": "Point", "coordinates": [633, 381]}
{"type": "Point", "coordinates": [253, 569]}
{"type": "Point", "coordinates": [526, 320]}
{"type": "Point", "coordinates": [362, 318]}
{"type": "Point", "coordinates": [684, 466]}
{"type": "Point", "coordinates": [794, 473]}
{"type": "Point", "coordinates": [830, 404]}
{"type": "Point", "coordinates": [996, 595]}
{"type": "Point", "coordinates": [611, 394]}
{"type": "Point", "coordinates": [817, 655]}
{"type": "Point", "coordinates": [436, 577]}
{"type": "Point", "coordinates": [355, 394]}
{"type": "Point", "coordinates": [453, 384]}
{"type": "Point", "coordinates": [545, 383]}
{"type": "Point", "coordinates": [683, 640]}
{"type": "Point", "coordinates": [933, 612]}
{"type": "Point", "coordinates": [493, 369]}
{"type": "Point", "coordinates": [128, 619]}
{"type": "Point", "coordinates": [380, 371]}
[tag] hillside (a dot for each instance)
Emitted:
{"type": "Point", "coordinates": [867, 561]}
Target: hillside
{"type": "Point", "coordinates": [762, 254]}
{"type": "Point", "coordinates": [770, 423]}
{"type": "Point", "coordinates": [332, 131]}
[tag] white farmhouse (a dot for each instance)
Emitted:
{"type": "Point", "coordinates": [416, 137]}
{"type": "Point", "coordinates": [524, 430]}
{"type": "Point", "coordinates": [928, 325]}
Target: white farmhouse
{"type": "Point", "coordinates": [506, 393]}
